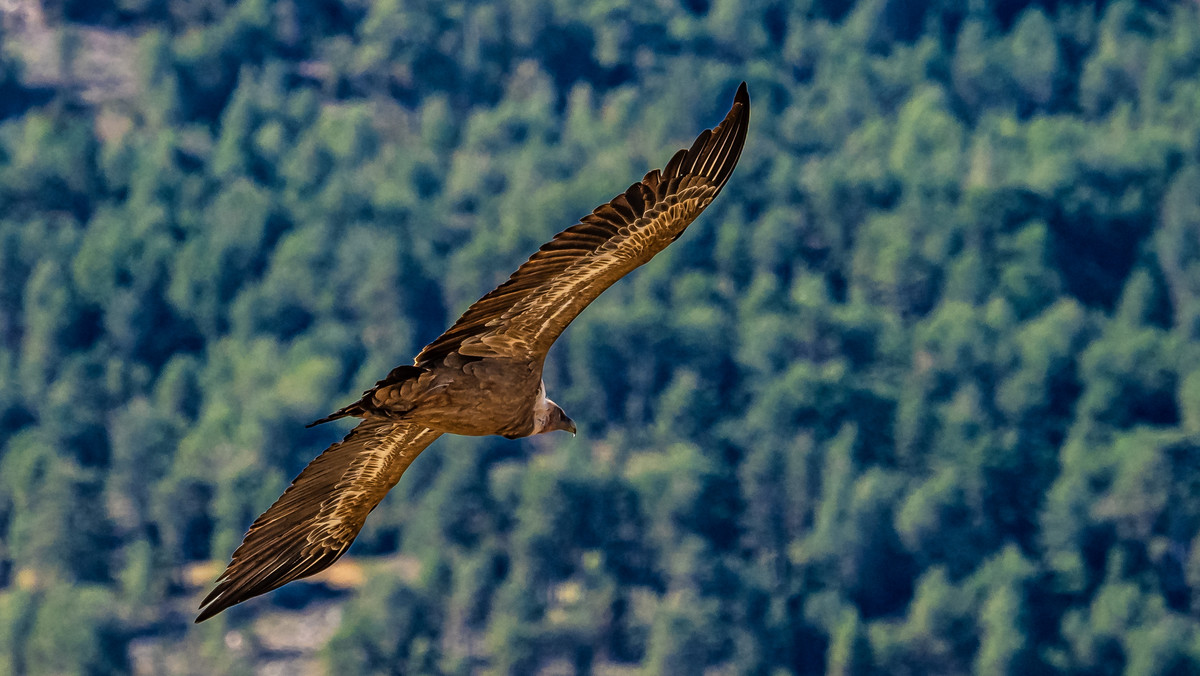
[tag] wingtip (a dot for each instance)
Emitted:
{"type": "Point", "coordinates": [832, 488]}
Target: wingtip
{"type": "Point", "coordinates": [212, 605]}
{"type": "Point", "coordinates": [206, 613]}
{"type": "Point", "coordinates": [742, 98]}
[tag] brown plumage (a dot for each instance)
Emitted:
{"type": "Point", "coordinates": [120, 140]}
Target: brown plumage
{"type": "Point", "coordinates": [483, 375]}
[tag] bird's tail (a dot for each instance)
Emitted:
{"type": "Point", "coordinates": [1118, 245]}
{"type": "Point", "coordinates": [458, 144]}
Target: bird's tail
{"type": "Point", "coordinates": [361, 407]}
{"type": "Point", "coordinates": [354, 409]}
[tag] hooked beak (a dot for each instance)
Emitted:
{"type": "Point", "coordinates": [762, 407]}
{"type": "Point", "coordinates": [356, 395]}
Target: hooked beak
{"type": "Point", "coordinates": [571, 426]}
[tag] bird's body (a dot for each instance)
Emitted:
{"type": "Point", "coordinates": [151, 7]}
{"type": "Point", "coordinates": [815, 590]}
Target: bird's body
{"type": "Point", "coordinates": [484, 396]}
{"type": "Point", "coordinates": [461, 395]}
{"type": "Point", "coordinates": [482, 376]}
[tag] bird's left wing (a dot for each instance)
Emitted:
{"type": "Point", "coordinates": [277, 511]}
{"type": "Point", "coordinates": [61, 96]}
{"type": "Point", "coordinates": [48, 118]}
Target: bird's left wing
{"type": "Point", "coordinates": [523, 316]}
{"type": "Point", "coordinates": [313, 523]}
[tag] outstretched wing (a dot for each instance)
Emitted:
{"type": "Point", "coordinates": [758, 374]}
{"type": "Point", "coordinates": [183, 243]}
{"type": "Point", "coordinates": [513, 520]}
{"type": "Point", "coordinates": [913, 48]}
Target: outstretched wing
{"type": "Point", "coordinates": [524, 316]}
{"type": "Point", "coordinates": [313, 523]}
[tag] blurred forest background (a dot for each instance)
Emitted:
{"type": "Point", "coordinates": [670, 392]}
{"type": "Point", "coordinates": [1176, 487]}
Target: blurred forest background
{"type": "Point", "coordinates": [919, 394]}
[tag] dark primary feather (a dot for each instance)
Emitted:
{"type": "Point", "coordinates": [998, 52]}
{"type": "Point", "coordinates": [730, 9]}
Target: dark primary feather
{"type": "Point", "coordinates": [313, 523]}
{"type": "Point", "coordinates": [700, 171]}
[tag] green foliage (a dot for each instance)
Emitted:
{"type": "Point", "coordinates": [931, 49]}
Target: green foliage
{"type": "Point", "coordinates": [74, 632]}
{"type": "Point", "coordinates": [917, 395]}
{"type": "Point", "coordinates": [395, 631]}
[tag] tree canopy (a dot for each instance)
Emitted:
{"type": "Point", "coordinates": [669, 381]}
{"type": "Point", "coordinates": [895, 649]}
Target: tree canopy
{"type": "Point", "coordinates": [919, 394]}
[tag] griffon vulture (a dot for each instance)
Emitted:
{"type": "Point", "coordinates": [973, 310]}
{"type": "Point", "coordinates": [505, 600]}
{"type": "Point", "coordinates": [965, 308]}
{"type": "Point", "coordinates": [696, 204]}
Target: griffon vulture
{"type": "Point", "coordinates": [483, 376]}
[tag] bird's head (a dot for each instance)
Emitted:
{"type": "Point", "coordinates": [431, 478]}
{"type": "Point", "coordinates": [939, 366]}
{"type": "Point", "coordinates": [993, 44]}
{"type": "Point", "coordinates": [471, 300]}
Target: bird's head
{"type": "Point", "coordinates": [554, 419]}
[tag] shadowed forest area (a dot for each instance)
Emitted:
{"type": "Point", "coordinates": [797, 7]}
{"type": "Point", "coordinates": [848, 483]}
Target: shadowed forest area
{"type": "Point", "coordinates": [919, 394]}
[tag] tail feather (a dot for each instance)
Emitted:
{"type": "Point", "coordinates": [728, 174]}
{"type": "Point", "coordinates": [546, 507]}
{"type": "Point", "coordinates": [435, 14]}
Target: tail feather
{"type": "Point", "coordinates": [353, 409]}
{"type": "Point", "coordinates": [361, 407]}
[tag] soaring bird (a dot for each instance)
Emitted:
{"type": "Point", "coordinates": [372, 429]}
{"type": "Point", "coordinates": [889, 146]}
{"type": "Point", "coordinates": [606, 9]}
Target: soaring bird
{"type": "Point", "coordinates": [482, 376]}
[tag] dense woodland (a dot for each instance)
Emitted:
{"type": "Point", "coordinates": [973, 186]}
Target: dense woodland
{"type": "Point", "coordinates": [919, 394]}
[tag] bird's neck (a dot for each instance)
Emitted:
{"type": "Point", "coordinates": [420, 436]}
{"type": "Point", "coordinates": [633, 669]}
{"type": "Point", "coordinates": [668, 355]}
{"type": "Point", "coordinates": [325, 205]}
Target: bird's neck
{"type": "Point", "coordinates": [541, 410]}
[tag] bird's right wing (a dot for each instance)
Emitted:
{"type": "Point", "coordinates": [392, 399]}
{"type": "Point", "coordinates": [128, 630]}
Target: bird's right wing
{"type": "Point", "coordinates": [313, 523]}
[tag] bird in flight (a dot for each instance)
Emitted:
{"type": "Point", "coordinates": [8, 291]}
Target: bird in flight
{"type": "Point", "coordinates": [482, 376]}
